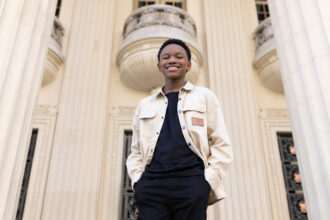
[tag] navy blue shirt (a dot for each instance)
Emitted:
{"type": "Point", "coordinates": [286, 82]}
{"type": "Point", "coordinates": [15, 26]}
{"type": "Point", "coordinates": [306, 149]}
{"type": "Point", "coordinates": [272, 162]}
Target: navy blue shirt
{"type": "Point", "coordinates": [172, 156]}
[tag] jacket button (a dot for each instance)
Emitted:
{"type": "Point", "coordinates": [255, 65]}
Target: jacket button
{"type": "Point", "coordinates": [151, 150]}
{"type": "Point", "coordinates": [183, 127]}
{"type": "Point", "coordinates": [165, 103]}
{"type": "Point", "coordinates": [162, 117]}
{"type": "Point", "coordinates": [180, 111]}
{"type": "Point", "coordinates": [157, 133]}
{"type": "Point", "coordinates": [189, 144]}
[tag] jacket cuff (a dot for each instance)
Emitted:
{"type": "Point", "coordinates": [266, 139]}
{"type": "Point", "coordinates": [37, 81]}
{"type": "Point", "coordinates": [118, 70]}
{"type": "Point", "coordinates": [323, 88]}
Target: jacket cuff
{"type": "Point", "coordinates": [212, 177]}
{"type": "Point", "coordinates": [135, 179]}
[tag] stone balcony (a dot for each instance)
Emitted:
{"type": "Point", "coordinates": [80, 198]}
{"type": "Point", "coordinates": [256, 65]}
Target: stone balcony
{"type": "Point", "coordinates": [55, 57]}
{"type": "Point", "coordinates": [144, 31]}
{"type": "Point", "coordinates": [266, 61]}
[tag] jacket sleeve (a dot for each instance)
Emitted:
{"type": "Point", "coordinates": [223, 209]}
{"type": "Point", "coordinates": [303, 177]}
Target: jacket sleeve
{"type": "Point", "coordinates": [134, 161]}
{"type": "Point", "coordinates": [221, 154]}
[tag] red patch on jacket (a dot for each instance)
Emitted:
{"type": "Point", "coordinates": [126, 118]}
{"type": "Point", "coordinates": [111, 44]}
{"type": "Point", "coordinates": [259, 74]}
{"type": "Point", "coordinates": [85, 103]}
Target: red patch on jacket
{"type": "Point", "coordinates": [197, 121]}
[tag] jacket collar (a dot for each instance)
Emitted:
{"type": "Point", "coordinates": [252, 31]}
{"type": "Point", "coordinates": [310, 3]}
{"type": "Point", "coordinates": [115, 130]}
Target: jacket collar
{"type": "Point", "coordinates": [187, 86]}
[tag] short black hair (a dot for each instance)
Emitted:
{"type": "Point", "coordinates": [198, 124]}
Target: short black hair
{"type": "Point", "coordinates": [175, 41]}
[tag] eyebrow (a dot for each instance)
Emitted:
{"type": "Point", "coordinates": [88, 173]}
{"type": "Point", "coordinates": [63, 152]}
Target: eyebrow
{"type": "Point", "coordinates": [164, 54]}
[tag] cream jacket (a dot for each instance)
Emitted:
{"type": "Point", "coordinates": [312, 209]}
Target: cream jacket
{"type": "Point", "coordinates": [202, 126]}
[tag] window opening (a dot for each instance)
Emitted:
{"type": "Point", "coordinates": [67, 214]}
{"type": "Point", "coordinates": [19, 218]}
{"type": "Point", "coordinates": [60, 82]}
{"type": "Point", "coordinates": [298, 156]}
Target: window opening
{"type": "Point", "coordinates": [141, 4]}
{"type": "Point", "coordinates": [128, 207]}
{"type": "Point", "coordinates": [26, 177]}
{"type": "Point", "coordinates": [176, 3]}
{"type": "Point", "coordinates": [144, 3]}
{"type": "Point", "coordinates": [294, 191]}
{"type": "Point", "coordinates": [58, 8]}
{"type": "Point", "coordinates": [262, 10]}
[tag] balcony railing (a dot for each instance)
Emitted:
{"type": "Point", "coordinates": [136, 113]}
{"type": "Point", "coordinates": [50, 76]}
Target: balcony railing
{"type": "Point", "coordinates": [266, 60]}
{"type": "Point", "coordinates": [159, 15]}
{"type": "Point", "coordinates": [58, 31]}
{"type": "Point", "coordinates": [55, 57]}
{"type": "Point", "coordinates": [263, 33]}
{"type": "Point", "coordinates": [144, 31]}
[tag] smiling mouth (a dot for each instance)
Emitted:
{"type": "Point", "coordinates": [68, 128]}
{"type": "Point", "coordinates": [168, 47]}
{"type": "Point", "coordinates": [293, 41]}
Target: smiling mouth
{"type": "Point", "coordinates": [172, 67]}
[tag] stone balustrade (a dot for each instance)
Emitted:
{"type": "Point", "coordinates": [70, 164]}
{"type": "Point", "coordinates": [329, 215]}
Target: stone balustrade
{"type": "Point", "coordinates": [144, 32]}
{"type": "Point", "coordinates": [58, 31]}
{"type": "Point", "coordinates": [263, 33]}
{"type": "Point", "coordinates": [55, 57]}
{"type": "Point", "coordinates": [266, 60]}
{"type": "Point", "coordinates": [159, 14]}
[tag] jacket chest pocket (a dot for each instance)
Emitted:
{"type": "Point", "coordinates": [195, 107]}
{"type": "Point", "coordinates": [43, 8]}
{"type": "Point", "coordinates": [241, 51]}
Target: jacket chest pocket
{"type": "Point", "coordinates": [147, 123]}
{"type": "Point", "coordinates": [195, 115]}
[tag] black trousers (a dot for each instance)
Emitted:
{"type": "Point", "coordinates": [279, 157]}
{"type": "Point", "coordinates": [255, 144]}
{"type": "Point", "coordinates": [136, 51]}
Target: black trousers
{"type": "Point", "coordinates": [180, 198]}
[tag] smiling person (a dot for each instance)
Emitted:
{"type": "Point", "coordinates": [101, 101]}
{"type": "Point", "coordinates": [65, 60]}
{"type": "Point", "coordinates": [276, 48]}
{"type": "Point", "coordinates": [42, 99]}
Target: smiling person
{"type": "Point", "coordinates": [180, 148]}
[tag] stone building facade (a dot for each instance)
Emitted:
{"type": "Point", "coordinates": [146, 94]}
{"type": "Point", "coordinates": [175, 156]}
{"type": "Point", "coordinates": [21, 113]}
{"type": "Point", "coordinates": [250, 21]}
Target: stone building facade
{"type": "Point", "coordinates": [72, 73]}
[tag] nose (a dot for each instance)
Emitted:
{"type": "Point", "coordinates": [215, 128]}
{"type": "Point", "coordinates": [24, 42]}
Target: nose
{"type": "Point", "coordinates": [172, 60]}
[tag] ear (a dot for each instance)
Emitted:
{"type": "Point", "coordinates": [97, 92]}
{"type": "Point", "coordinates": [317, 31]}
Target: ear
{"type": "Point", "coordinates": [188, 66]}
{"type": "Point", "coordinates": [158, 65]}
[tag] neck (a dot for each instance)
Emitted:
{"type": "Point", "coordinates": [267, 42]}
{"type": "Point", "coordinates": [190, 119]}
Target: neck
{"type": "Point", "coordinates": [173, 85]}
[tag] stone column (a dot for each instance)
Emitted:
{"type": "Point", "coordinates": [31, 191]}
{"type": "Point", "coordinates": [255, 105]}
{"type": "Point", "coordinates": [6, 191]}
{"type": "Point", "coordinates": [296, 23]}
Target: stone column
{"type": "Point", "coordinates": [229, 25]}
{"type": "Point", "coordinates": [75, 173]}
{"type": "Point", "coordinates": [25, 28]}
{"type": "Point", "coordinates": [302, 34]}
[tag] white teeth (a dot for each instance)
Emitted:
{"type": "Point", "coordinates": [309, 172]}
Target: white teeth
{"type": "Point", "coordinates": [172, 68]}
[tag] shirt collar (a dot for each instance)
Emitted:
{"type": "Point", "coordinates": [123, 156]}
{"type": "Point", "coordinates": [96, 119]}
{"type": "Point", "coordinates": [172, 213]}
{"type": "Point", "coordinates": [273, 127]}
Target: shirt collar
{"type": "Point", "coordinates": [187, 86]}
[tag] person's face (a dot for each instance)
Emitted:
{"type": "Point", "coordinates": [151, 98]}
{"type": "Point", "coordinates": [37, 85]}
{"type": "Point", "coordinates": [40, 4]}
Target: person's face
{"type": "Point", "coordinates": [173, 62]}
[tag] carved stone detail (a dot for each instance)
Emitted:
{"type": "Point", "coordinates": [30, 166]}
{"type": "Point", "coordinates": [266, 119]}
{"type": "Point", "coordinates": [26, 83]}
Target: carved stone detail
{"type": "Point", "coordinates": [55, 57]}
{"type": "Point", "coordinates": [273, 121]}
{"type": "Point", "coordinates": [58, 31]}
{"type": "Point", "coordinates": [266, 60]}
{"type": "Point", "coordinates": [123, 111]}
{"type": "Point", "coordinates": [263, 33]}
{"type": "Point", "coordinates": [273, 113]}
{"type": "Point", "coordinates": [159, 15]}
{"type": "Point", "coordinates": [292, 177]}
{"type": "Point", "coordinates": [111, 183]}
{"type": "Point", "coordinates": [44, 120]}
{"type": "Point", "coordinates": [45, 109]}
{"type": "Point", "coordinates": [144, 31]}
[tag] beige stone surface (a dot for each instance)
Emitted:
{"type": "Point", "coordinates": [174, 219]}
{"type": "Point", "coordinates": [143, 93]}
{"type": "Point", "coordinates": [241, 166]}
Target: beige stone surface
{"type": "Point", "coordinates": [44, 119]}
{"type": "Point", "coordinates": [144, 31]}
{"type": "Point", "coordinates": [83, 112]}
{"type": "Point", "coordinates": [273, 120]}
{"type": "Point", "coordinates": [138, 62]}
{"type": "Point", "coordinates": [302, 38]}
{"type": "Point", "coordinates": [55, 57]}
{"type": "Point", "coordinates": [74, 177]}
{"type": "Point", "coordinates": [25, 29]}
{"type": "Point", "coordinates": [231, 77]}
{"type": "Point", "coordinates": [266, 60]}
